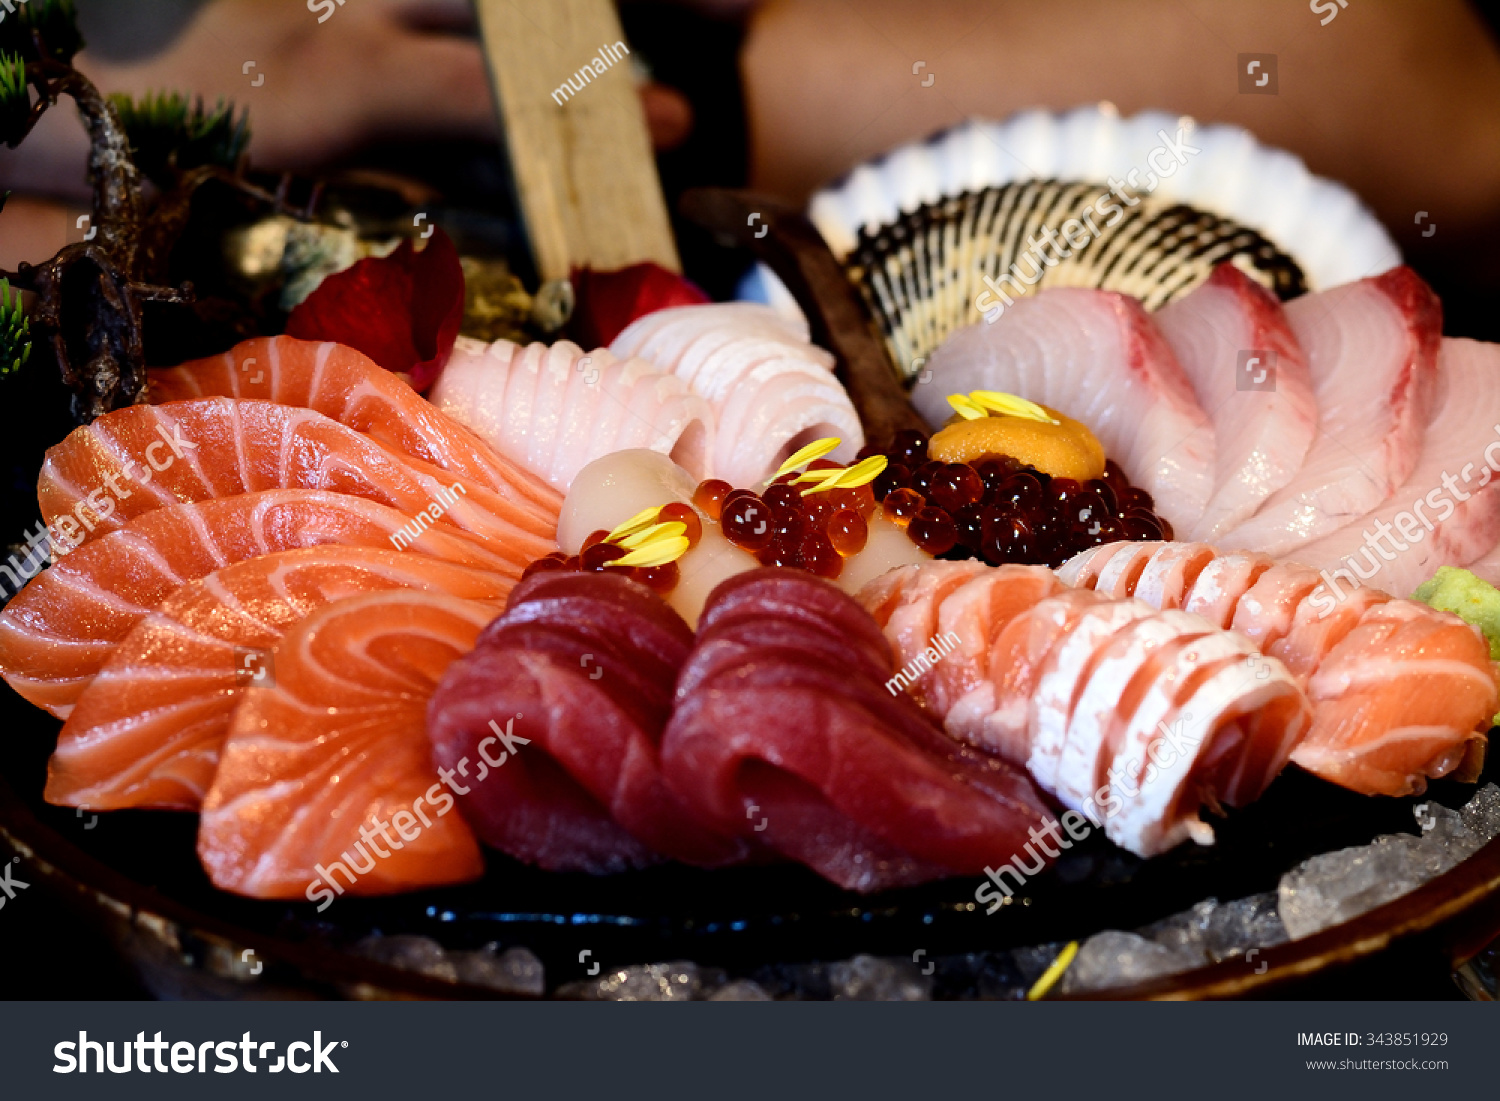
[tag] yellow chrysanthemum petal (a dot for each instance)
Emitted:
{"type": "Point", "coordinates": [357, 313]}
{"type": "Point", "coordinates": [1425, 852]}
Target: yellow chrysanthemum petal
{"type": "Point", "coordinates": [1008, 405]}
{"type": "Point", "coordinates": [861, 473]}
{"type": "Point", "coordinates": [1050, 976]}
{"type": "Point", "coordinates": [968, 410]}
{"type": "Point", "coordinates": [815, 450]}
{"type": "Point", "coordinates": [643, 519]}
{"type": "Point", "coordinates": [653, 533]}
{"type": "Point", "coordinates": [820, 475]}
{"type": "Point", "coordinates": [657, 553]}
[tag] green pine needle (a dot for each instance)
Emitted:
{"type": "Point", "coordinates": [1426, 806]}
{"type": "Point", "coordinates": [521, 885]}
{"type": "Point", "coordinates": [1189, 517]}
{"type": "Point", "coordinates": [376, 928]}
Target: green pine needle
{"type": "Point", "coordinates": [15, 99]}
{"type": "Point", "coordinates": [165, 130]}
{"type": "Point", "coordinates": [56, 21]}
{"type": "Point", "coordinates": [15, 332]}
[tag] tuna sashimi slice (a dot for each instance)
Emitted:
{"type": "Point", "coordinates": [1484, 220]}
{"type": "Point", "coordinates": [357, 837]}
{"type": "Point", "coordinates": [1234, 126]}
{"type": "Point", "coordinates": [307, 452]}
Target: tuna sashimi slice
{"type": "Point", "coordinates": [1262, 433]}
{"type": "Point", "coordinates": [148, 729]}
{"type": "Point", "coordinates": [346, 385]}
{"type": "Point", "coordinates": [585, 666]}
{"type": "Point", "coordinates": [1448, 511]}
{"type": "Point", "coordinates": [1097, 357]}
{"type": "Point", "coordinates": [326, 783]}
{"type": "Point", "coordinates": [146, 456]}
{"type": "Point", "coordinates": [596, 404]}
{"type": "Point", "coordinates": [1398, 700]}
{"type": "Point", "coordinates": [776, 738]}
{"type": "Point", "coordinates": [1372, 348]}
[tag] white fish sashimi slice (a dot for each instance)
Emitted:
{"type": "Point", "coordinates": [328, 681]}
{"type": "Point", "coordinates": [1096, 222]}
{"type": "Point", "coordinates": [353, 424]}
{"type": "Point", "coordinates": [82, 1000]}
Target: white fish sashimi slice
{"type": "Point", "coordinates": [1061, 679]}
{"type": "Point", "coordinates": [790, 409]}
{"type": "Point", "coordinates": [1096, 356]}
{"type": "Point", "coordinates": [1372, 348]}
{"type": "Point", "coordinates": [769, 389]}
{"type": "Point", "coordinates": [1261, 435]}
{"type": "Point", "coordinates": [554, 410]}
{"type": "Point", "coordinates": [1431, 522]}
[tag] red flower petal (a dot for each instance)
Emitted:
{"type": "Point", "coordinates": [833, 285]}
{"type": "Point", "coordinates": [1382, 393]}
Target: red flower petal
{"type": "Point", "coordinates": [607, 301]}
{"type": "Point", "coordinates": [402, 310]}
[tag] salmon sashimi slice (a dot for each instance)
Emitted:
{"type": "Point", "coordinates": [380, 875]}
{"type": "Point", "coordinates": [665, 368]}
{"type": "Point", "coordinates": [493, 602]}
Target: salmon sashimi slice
{"type": "Point", "coordinates": [1098, 357]}
{"type": "Point", "coordinates": [147, 456]}
{"type": "Point", "coordinates": [1262, 432]}
{"type": "Point", "coordinates": [61, 628]}
{"type": "Point", "coordinates": [1372, 348]}
{"type": "Point", "coordinates": [1398, 690]}
{"type": "Point", "coordinates": [970, 619]}
{"type": "Point", "coordinates": [1132, 716]}
{"type": "Point", "coordinates": [1172, 713]}
{"type": "Point", "coordinates": [147, 731]}
{"type": "Point", "coordinates": [325, 782]}
{"type": "Point", "coordinates": [354, 390]}
{"type": "Point", "coordinates": [1398, 700]}
{"type": "Point", "coordinates": [905, 604]}
{"type": "Point", "coordinates": [1448, 511]}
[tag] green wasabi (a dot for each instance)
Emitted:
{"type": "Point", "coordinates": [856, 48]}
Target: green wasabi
{"type": "Point", "coordinates": [1473, 600]}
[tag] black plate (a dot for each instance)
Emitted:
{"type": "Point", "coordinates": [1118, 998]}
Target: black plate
{"type": "Point", "coordinates": [736, 919]}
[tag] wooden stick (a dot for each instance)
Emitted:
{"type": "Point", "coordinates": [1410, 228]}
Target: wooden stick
{"type": "Point", "coordinates": [579, 149]}
{"type": "Point", "coordinates": [793, 248]}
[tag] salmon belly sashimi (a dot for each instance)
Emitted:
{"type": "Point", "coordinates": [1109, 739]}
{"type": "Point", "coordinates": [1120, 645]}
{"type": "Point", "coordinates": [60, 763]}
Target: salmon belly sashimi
{"type": "Point", "coordinates": [771, 390]}
{"type": "Point", "coordinates": [1400, 691]}
{"type": "Point", "coordinates": [62, 627]}
{"type": "Point", "coordinates": [580, 669]}
{"type": "Point", "coordinates": [148, 729]}
{"type": "Point", "coordinates": [325, 784]}
{"type": "Point", "coordinates": [1372, 348]}
{"type": "Point", "coordinates": [1130, 716]}
{"type": "Point", "coordinates": [140, 458]}
{"type": "Point", "coordinates": [556, 409]}
{"type": "Point", "coordinates": [785, 732]}
{"type": "Point", "coordinates": [1262, 432]}
{"type": "Point", "coordinates": [1096, 356]}
{"type": "Point", "coordinates": [346, 385]}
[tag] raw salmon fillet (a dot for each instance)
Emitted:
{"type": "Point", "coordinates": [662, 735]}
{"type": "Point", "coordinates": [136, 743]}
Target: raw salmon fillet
{"type": "Point", "coordinates": [1398, 700]}
{"type": "Point", "coordinates": [1398, 689]}
{"type": "Point", "coordinates": [1261, 434]}
{"type": "Point", "coordinates": [327, 776]}
{"type": "Point", "coordinates": [146, 456]}
{"type": "Point", "coordinates": [1096, 356]}
{"type": "Point", "coordinates": [1131, 716]}
{"type": "Point", "coordinates": [147, 731]}
{"type": "Point", "coordinates": [61, 628]}
{"type": "Point", "coordinates": [344, 384]}
{"type": "Point", "coordinates": [1372, 348]}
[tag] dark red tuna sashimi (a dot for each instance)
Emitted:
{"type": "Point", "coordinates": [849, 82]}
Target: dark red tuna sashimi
{"type": "Point", "coordinates": [582, 666]}
{"type": "Point", "coordinates": [807, 751]}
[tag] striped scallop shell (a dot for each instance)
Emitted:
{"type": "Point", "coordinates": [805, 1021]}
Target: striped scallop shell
{"type": "Point", "coordinates": [919, 228]}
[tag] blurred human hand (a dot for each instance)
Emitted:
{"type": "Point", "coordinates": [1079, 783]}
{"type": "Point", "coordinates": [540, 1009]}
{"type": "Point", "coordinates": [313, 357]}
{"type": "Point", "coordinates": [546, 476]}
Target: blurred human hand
{"type": "Point", "coordinates": [320, 81]}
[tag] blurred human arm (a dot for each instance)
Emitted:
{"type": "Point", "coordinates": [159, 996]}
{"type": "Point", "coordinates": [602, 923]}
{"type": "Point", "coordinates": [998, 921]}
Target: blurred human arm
{"type": "Point", "coordinates": [1395, 99]}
